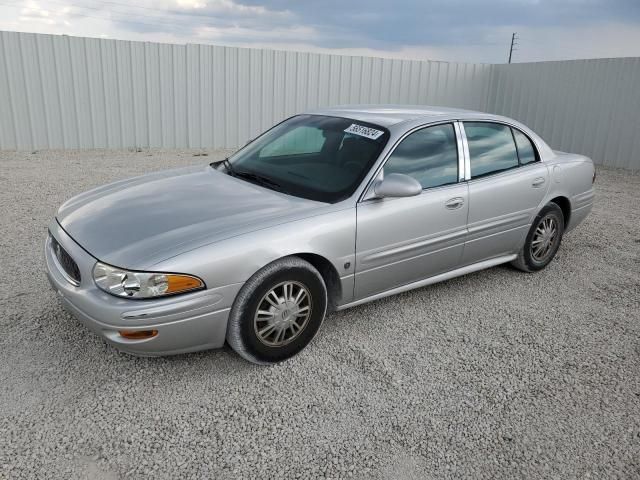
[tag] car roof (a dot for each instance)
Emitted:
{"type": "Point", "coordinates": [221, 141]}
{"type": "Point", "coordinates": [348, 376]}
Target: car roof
{"type": "Point", "coordinates": [399, 118]}
{"type": "Point", "coordinates": [388, 115]}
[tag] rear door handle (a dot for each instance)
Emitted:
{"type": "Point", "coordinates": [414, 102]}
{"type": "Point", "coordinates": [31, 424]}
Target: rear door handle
{"type": "Point", "coordinates": [538, 182]}
{"type": "Point", "coordinates": [454, 203]}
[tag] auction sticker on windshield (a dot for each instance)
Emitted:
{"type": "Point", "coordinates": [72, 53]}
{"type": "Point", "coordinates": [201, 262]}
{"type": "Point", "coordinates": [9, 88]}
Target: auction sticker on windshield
{"type": "Point", "coordinates": [364, 131]}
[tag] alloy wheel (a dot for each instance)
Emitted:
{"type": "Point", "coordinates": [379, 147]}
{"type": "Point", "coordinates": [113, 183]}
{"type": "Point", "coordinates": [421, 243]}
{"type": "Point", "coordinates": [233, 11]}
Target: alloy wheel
{"type": "Point", "coordinates": [282, 314]}
{"type": "Point", "coordinates": [544, 238]}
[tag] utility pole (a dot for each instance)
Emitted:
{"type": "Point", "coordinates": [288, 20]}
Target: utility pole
{"type": "Point", "coordinates": [514, 37]}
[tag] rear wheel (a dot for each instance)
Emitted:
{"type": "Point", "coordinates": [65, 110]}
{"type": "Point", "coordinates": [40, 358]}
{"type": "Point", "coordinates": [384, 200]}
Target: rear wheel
{"type": "Point", "coordinates": [543, 240]}
{"type": "Point", "coordinates": [278, 311]}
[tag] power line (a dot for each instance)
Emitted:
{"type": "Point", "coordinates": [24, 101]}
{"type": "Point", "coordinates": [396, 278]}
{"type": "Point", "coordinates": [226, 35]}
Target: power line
{"type": "Point", "coordinates": [514, 37]}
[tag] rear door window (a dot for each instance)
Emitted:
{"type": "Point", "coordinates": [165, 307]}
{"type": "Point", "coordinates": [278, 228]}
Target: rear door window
{"type": "Point", "coordinates": [491, 148]}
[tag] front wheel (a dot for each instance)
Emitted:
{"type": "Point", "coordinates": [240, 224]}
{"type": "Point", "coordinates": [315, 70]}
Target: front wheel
{"type": "Point", "coordinates": [278, 311]}
{"type": "Point", "coordinates": [543, 240]}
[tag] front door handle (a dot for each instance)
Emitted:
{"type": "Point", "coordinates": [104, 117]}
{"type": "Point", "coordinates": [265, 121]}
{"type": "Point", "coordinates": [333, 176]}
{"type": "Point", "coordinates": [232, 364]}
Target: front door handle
{"type": "Point", "coordinates": [454, 203]}
{"type": "Point", "coordinates": [538, 182]}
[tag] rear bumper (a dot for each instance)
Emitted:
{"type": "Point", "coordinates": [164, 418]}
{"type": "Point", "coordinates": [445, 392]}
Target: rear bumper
{"type": "Point", "coordinates": [185, 323]}
{"type": "Point", "coordinates": [577, 217]}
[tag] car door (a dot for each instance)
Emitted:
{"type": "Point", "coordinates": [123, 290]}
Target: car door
{"type": "Point", "coordinates": [403, 240]}
{"type": "Point", "coordinates": [507, 182]}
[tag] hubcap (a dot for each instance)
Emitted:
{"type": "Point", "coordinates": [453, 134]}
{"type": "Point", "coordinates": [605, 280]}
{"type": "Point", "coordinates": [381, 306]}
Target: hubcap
{"type": "Point", "coordinates": [283, 313]}
{"type": "Point", "coordinates": [544, 239]}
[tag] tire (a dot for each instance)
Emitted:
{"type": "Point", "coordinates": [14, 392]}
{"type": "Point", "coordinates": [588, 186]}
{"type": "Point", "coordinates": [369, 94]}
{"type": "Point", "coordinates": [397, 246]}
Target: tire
{"type": "Point", "coordinates": [528, 260]}
{"type": "Point", "coordinates": [265, 292]}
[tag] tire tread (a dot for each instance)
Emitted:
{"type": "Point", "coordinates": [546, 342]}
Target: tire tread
{"type": "Point", "coordinates": [234, 337]}
{"type": "Point", "coordinates": [521, 262]}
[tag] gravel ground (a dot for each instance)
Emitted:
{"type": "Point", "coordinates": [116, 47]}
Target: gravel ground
{"type": "Point", "coordinates": [497, 374]}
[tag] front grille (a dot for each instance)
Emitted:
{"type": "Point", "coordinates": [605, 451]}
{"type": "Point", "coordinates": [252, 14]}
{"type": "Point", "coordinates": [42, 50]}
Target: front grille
{"type": "Point", "coordinates": [67, 263]}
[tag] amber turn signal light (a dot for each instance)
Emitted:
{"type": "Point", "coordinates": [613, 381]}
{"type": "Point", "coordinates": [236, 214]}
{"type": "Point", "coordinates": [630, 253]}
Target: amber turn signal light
{"type": "Point", "coordinates": [138, 334]}
{"type": "Point", "coordinates": [181, 283]}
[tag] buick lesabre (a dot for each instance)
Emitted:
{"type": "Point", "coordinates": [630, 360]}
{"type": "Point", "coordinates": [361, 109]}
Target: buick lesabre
{"type": "Point", "coordinates": [326, 210]}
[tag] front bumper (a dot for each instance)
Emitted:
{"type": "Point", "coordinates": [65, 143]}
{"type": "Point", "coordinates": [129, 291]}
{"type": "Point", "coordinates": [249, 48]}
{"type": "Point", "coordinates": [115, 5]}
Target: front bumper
{"type": "Point", "coordinates": [185, 323]}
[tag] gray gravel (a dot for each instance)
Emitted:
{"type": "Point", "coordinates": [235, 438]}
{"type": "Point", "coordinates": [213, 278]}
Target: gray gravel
{"type": "Point", "coordinates": [498, 374]}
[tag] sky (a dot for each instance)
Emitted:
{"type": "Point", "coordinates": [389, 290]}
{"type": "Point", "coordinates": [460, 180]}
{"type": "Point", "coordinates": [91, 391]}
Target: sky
{"type": "Point", "coordinates": [453, 30]}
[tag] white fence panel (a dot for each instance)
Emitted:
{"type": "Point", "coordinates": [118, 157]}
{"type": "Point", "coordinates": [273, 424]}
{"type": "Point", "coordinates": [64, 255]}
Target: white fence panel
{"type": "Point", "coordinates": [72, 92]}
{"type": "Point", "coordinates": [584, 106]}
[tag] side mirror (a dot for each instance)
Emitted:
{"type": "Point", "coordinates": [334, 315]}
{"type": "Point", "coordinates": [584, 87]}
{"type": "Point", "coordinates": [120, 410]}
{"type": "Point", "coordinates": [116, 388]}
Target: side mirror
{"type": "Point", "coordinates": [397, 185]}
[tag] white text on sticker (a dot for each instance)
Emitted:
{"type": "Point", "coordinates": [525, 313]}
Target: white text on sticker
{"type": "Point", "coordinates": [364, 131]}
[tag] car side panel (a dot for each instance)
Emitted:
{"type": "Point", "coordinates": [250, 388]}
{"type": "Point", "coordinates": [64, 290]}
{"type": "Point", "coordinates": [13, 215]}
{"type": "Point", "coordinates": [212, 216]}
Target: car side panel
{"type": "Point", "coordinates": [501, 208]}
{"type": "Point", "coordinates": [235, 260]}
{"type": "Point", "coordinates": [332, 235]}
{"type": "Point", "coordinates": [402, 240]}
{"type": "Point", "coordinates": [572, 177]}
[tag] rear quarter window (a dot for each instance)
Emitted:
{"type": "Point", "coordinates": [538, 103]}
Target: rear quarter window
{"type": "Point", "coordinates": [526, 150]}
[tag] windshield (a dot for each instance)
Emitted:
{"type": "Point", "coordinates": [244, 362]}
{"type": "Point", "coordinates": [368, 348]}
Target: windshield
{"type": "Point", "coordinates": [311, 156]}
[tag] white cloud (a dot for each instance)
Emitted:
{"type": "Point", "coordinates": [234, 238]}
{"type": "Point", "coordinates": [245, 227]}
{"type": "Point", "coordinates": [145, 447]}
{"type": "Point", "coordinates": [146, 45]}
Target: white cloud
{"type": "Point", "coordinates": [227, 22]}
{"type": "Point", "coordinates": [191, 4]}
{"type": "Point", "coordinates": [251, 37]}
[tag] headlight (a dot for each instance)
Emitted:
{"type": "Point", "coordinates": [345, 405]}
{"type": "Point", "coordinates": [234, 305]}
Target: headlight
{"type": "Point", "coordinates": [123, 283]}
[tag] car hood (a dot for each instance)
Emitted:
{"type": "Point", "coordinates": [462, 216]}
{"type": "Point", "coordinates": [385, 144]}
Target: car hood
{"type": "Point", "coordinates": [138, 222]}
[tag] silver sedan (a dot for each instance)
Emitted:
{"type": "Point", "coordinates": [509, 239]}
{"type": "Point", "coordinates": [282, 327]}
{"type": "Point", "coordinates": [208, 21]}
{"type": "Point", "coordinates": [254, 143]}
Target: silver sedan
{"type": "Point", "coordinates": [327, 210]}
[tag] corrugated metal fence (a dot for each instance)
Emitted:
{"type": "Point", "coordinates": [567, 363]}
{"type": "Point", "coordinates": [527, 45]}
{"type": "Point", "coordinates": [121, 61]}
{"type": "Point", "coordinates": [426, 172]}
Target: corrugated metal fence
{"type": "Point", "coordinates": [70, 92]}
{"type": "Point", "coordinates": [585, 106]}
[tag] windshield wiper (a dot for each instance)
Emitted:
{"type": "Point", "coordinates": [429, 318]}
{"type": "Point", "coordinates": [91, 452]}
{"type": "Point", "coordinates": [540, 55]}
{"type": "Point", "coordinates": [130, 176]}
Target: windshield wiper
{"type": "Point", "coordinates": [249, 176]}
{"type": "Point", "coordinates": [260, 180]}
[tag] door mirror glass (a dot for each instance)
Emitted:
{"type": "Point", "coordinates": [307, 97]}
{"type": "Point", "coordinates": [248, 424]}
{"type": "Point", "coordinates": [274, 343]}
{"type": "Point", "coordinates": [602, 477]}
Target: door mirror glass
{"type": "Point", "coordinates": [397, 185]}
